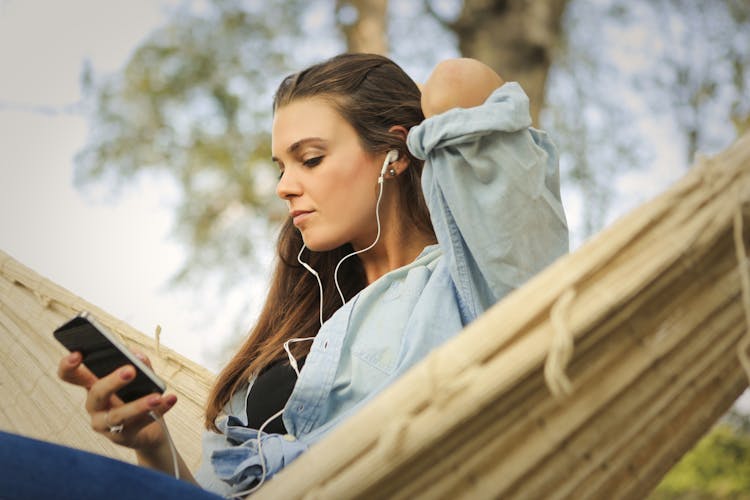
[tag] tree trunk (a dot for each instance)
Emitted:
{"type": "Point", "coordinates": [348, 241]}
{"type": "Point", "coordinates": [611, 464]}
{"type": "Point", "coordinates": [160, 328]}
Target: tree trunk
{"type": "Point", "coordinates": [516, 38]}
{"type": "Point", "coordinates": [369, 32]}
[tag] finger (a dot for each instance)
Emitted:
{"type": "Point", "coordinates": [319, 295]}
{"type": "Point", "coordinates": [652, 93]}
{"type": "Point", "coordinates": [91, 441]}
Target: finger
{"type": "Point", "coordinates": [133, 415]}
{"type": "Point", "coordinates": [142, 356]}
{"type": "Point", "coordinates": [157, 403]}
{"type": "Point", "coordinates": [102, 421]}
{"type": "Point", "coordinates": [163, 405]}
{"type": "Point", "coordinates": [102, 392]}
{"type": "Point", "coordinates": [152, 407]}
{"type": "Point", "coordinates": [72, 371]}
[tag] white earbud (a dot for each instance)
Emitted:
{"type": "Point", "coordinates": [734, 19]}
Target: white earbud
{"type": "Point", "coordinates": [389, 158]}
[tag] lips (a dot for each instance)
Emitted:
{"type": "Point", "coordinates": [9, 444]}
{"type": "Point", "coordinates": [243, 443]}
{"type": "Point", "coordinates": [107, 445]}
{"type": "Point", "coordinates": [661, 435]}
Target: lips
{"type": "Point", "coordinates": [299, 215]}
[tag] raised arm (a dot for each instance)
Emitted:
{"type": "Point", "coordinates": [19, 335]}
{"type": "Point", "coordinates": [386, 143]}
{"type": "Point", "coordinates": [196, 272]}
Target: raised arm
{"type": "Point", "coordinates": [490, 181]}
{"type": "Point", "coordinates": [458, 83]}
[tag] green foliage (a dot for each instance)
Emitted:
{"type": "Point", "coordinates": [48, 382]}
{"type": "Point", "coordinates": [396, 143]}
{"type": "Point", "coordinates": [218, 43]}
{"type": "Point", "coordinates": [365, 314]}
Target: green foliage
{"type": "Point", "coordinates": [194, 101]}
{"type": "Point", "coordinates": [593, 130]}
{"type": "Point", "coordinates": [702, 71]}
{"type": "Point", "coordinates": [637, 78]}
{"type": "Point", "coordinates": [718, 467]}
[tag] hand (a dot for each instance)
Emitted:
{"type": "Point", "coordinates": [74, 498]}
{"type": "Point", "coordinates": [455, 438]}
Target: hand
{"type": "Point", "coordinates": [139, 431]}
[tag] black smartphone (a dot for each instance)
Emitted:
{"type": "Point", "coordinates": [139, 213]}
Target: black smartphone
{"type": "Point", "coordinates": [103, 353]}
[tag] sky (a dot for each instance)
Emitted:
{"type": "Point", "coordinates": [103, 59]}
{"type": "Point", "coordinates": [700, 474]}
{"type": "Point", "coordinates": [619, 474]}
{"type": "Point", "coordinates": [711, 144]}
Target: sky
{"type": "Point", "coordinates": [116, 253]}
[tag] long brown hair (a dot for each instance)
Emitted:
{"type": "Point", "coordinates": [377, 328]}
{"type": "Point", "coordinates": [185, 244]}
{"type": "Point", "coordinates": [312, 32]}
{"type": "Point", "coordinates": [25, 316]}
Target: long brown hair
{"type": "Point", "coordinates": [372, 94]}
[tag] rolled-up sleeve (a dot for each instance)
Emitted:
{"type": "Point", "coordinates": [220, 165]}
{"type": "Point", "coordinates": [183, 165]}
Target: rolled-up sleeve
{"type": "Point", "coordinates": [232, 460]}
{"type": "Point", "coordinates": [491, 183]}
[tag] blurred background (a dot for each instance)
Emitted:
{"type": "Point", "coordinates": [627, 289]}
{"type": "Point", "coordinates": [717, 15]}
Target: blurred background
{"type": "Point", "coordinates": [134, 138]}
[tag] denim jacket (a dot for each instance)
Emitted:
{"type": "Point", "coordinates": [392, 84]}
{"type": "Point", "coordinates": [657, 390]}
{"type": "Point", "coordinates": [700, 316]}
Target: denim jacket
{"type": "Point", "coordinates": [491, 184]}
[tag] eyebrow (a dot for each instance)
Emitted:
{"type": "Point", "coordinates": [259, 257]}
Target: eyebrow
{"type": "Point", "coordinates": [297, 145]}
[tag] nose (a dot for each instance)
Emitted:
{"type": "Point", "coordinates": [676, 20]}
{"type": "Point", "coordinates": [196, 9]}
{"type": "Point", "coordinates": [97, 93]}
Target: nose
{"type": "Point", "coordinates": [288, 185]}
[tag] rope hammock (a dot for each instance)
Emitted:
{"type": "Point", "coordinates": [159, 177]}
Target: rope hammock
{"type": "Point", "coordinates": [38, 404]}
{"type": "Point", "coordinates": [590, 381]}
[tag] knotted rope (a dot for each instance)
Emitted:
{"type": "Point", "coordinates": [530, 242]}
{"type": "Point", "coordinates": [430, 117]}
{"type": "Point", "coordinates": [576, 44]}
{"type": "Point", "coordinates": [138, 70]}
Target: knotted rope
{"type": "Point", "coordinates": [561, 347]}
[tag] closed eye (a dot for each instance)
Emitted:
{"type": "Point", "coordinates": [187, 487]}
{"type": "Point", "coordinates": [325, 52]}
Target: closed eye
{"type": "Point", "coordinates": [313, 162]}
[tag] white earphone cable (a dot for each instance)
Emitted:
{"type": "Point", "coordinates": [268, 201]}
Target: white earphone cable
{"type": "Point", "coordinates": [317, 277]}
{"type": "Point", "coordinates": [172, 448]}
{"type": "Point", "coordinates": [292, 360]}
{"type": "Point", "coordinates": [264, 471]}
{"type": "Point", "coordinates": [262, 458]}
{"type": "Point", "coordinates": [390, 157]}
{"type": "Point", "coordinates": [377, 238]}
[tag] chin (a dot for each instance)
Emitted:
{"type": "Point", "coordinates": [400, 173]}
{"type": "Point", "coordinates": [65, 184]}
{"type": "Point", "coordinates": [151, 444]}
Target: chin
{"type": "Point", "coordinates": [320, 245]}
{"type": "Point", "coordinates": [321, 248]}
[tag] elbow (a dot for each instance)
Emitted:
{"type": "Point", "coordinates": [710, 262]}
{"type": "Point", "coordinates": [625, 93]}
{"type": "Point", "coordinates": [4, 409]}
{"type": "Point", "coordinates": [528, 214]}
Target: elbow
{"type": "Point", "coordinates": [458, 83]}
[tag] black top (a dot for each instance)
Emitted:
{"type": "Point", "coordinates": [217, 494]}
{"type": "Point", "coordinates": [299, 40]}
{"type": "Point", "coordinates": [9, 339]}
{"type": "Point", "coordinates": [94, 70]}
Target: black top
{"type": "Point", "coordinates": [269, 393]}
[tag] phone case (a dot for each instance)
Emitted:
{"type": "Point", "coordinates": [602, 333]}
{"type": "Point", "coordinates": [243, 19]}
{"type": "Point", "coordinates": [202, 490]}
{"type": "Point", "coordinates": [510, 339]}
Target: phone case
{"type": "Point", "coordinates": [103, 353]}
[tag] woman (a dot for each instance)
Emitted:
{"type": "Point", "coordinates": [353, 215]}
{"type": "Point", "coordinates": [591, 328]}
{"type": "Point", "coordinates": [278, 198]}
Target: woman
{"type": "Point", "coordinates": [410, 213]}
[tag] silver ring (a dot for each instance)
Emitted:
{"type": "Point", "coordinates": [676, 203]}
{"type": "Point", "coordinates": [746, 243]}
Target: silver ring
{"type": "Point", "coordinates": [113, 429]}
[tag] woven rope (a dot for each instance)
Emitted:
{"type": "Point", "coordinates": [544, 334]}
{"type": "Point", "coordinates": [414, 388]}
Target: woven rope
{"type": "Point", "coordinates": [739, 245]}
{"type": "Point", "coordinates": [30, 308]}
{"type": "Point", "coordinates": [561, 347]}
{"type": "Point", "coordinates": [157, 337]}
{"type": "Point", "coordinates": [391, 441]}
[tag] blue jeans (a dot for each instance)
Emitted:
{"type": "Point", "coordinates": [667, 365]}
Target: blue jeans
{"type": "Point", "coordinates": [31, 469]}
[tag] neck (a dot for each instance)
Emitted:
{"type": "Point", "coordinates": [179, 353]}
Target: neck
{"type": "Point", "coordinates": [399, 244]}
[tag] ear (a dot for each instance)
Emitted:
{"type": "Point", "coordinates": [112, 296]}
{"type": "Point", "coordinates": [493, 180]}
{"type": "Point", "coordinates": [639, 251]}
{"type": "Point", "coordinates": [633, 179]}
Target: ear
{"type": "Point", "coordinates": [403, 160]}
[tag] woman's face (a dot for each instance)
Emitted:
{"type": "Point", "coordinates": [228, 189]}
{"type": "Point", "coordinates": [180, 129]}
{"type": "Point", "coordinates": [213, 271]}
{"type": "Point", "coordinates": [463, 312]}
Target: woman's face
{"type": "Point", "coordinates": [328, 181]}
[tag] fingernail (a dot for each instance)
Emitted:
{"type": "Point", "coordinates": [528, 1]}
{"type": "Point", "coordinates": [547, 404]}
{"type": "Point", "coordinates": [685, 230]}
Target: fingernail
{"type": "Point", "coordinates": [140, 356]}
{"type": "Point", "coordinates": [154, 401]}
{"type": "Point", "coordinates": [171, 399]}
{"type": "Point", "coordinates": [74, 357]}
{"type": "Point", "coordinates": [126, 373]}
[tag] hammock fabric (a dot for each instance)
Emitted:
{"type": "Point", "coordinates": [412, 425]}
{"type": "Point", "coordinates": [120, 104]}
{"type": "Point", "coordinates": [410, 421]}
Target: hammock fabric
{"type": "Point", "coordinates": [591, 381]}
{"type": "Point", "coordinates": [38, 404]}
